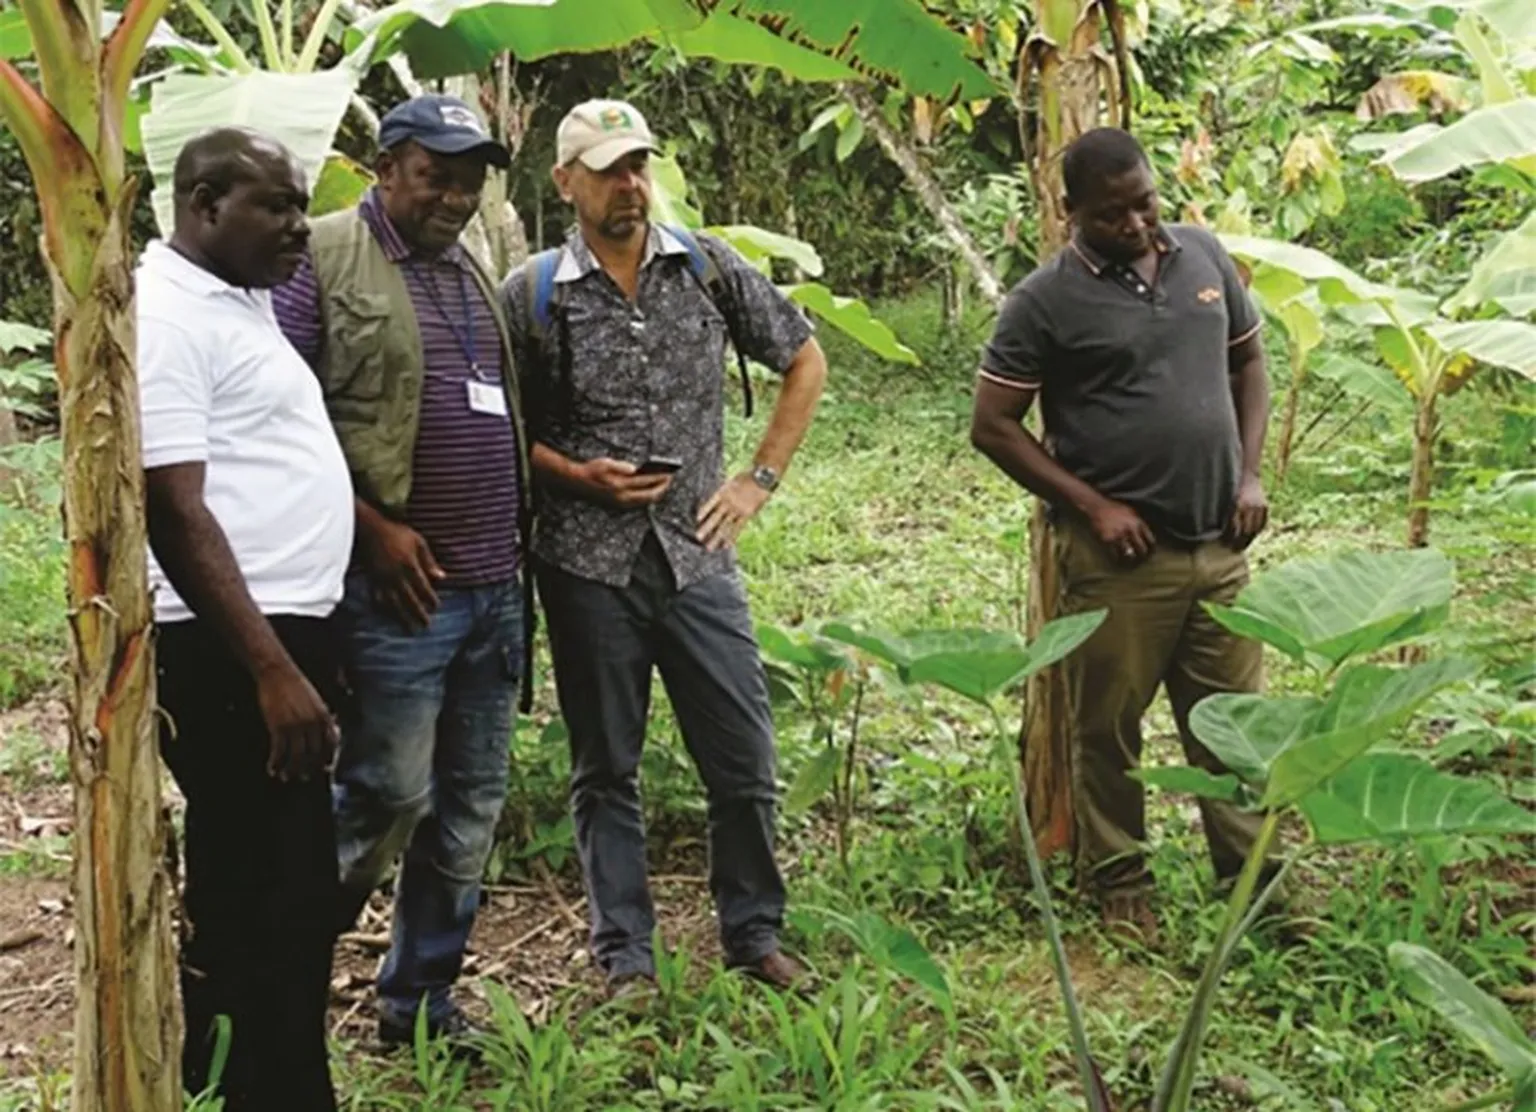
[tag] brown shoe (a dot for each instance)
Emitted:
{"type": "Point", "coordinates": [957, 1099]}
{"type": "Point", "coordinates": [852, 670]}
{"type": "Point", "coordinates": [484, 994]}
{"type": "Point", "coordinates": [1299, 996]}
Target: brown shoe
{"type": "Point", "coordinates": [777, 970]}
{"type": "Point", "coordinates": [1129, 917]}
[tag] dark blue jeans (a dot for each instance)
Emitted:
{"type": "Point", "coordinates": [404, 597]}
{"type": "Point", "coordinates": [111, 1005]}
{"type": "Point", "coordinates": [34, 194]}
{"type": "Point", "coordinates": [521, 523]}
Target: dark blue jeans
{"type": "Point", "coordinates": [606, 642]}
{"type": "Point", "coordinates": [423, 771]}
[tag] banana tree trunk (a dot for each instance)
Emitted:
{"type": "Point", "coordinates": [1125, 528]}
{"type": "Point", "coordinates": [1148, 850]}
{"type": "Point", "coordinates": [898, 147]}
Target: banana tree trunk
{"type": "Point", "coordinates": [1075, 81]}
{"type": "Point", "coordinates": [70, 128]}
{"type": "Point", "coordinates": [1421, 479]}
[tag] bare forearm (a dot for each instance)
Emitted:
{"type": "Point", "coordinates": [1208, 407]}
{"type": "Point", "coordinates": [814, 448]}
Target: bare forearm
{"type": "Point", "coordinates": [555, 468]}
{"type": "Point", "coordinates": [195, 555]}
{"type": "Point", "coordinates": [798, 399]}
{"type": "Point", "coordinates": [1020, 456]}
{"type": "Point", "coordinates": [1250, 397]}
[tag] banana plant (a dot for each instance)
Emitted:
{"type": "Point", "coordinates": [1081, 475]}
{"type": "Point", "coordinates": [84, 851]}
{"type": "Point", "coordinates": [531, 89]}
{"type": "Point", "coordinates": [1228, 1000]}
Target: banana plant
{"type": "Point", "coordinates": [1479, 1018]}
{"type": "Point", "coordinates": [1430, 344]}
{"type": "Point", "coordinates": [1310, 755]}
{"type": "Point", "coordinates": [69, 125]}
{"type": "Point", "coordinates": [985, 667]}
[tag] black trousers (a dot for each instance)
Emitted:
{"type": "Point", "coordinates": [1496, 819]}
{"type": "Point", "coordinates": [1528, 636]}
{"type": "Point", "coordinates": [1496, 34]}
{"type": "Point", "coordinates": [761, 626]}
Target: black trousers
{"type": "Point", "coordinates": [261, 876]}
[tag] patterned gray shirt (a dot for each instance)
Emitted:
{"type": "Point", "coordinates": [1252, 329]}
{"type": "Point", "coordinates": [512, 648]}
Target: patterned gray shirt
{"type": "Point", "coordinates": [646, 379]}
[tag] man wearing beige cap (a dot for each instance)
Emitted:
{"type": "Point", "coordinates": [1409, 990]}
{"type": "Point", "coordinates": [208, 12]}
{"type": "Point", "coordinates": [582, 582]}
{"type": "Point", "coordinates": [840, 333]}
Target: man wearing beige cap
{"type": "Point", "coordinates": [620, 341]}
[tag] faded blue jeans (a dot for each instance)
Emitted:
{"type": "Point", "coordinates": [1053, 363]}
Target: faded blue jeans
{"type": "Point", "coordinates": [423, 770]}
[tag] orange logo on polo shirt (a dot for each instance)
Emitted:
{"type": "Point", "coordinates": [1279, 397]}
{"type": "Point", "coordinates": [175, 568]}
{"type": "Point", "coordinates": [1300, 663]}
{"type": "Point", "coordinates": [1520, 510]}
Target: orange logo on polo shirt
{"type": "Point", "coordinates": [1208, 295]}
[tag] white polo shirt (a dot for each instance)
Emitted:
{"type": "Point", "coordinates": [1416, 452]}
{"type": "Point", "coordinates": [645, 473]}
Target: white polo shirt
{"type": "Point", "coordinates": [219, 384]}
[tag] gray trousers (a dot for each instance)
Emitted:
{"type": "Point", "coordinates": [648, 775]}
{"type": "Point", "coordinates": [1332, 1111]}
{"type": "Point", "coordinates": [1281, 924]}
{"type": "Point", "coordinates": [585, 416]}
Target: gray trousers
{"type": "Point", "coordinates": [606, 641]}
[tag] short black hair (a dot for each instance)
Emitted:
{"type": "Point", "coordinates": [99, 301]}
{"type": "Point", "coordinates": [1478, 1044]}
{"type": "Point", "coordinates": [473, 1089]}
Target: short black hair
{"type": "Point", "coordinates": [223, 158]}
{"type": "Point", "coordinates": [1104, 152]}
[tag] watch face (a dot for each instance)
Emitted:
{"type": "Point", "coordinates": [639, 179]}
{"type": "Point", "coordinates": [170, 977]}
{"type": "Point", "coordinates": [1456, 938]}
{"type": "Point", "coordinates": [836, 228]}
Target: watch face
{"type": "Point", "coordinates": [765, 477]}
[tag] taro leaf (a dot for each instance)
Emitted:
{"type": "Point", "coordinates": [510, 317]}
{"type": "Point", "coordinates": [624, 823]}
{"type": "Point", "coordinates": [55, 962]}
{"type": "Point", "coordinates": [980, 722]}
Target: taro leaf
{"type": "Point", "coordinates": [879, 643]}
{"type": "Point", "coordinates": [1291, 744]}
{"type": "Point", "coordinates": [899, 950]}
{"type": "Point", "coordinates": [852, 317]}
{"type": "Point", "coordinates": [799, 649]}
{"type": "Point", "coordinates": [1388, 796]}
{"type": "Point", "coordinates": [813, 781]}
{"type": "Point", "coordinates": [980, 665]}
{"type": "Point", "coordinates": [1341, 606]}
{"type": "Point", "coordinates": [1191, 781]}
{"type": "Point", "coordinates": [1480, 1018]}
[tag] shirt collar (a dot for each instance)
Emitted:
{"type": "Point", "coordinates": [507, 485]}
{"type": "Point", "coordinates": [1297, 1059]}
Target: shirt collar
{"type": "Point", "coordinates": [1162, 241]}
{"type": "Point", "coordinates": [396, 250]}
{"type": "Point", "coordinates": [164, 261]}
{"type": "Point", "coordinates": [577, 259]}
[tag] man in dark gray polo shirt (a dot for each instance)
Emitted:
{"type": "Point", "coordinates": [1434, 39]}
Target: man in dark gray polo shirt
{"type": "Point", "coordinates": [620, 343]}
{"type": "Point", "coordinates": [1144, 349]}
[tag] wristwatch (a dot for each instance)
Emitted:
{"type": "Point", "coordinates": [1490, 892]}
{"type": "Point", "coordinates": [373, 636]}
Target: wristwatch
{"type": "Point", "coordinates": [765, 477]}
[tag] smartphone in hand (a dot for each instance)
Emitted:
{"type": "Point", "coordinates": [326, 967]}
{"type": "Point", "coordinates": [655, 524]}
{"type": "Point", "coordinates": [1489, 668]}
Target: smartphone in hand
{"type": "Point", "coordinates": [659, 465]}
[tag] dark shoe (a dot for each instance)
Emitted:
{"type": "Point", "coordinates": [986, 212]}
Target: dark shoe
{"type": "Point", "coordinates": [776, 970]}
{"type": "Point", "coordinates": [1129, 917]}
{"type": "Point", "coordinates": [462, 1036]}
{"type": "Point", "coordinates": [632, 992]}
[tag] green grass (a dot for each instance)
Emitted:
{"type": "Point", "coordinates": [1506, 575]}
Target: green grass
{"type": "Point", "coordinates": [32, 632]}
{"type": "Point", "coordinates": [889, 518]}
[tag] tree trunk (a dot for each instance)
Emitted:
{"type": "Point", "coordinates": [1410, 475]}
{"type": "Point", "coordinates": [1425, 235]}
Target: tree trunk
{"type": "Point", "coordinates": [899, 151]}
{"type": "Point", "coordinates": [1288, 420]}
{"type": "Point", "coordinates": [127, 1020]}
{"type": "Point", "coordinates": [1074, 76]}
{"type": "Point", "coordinates": [1421, 478]}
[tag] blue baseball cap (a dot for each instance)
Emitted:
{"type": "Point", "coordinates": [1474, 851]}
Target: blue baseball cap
{"type": "Point", "coordinates": [443, 125]}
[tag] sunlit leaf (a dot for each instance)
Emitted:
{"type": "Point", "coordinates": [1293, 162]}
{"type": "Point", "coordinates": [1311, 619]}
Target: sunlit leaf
{"type": "Point", "coordinates": [1368, 382]}
{"type": "Point", "coordinates": [757, 244]}
{"type": "Point", "coordinates": [341, 186]}
{"type": "Point", "coordinates": [1392, 796]}
{"type": "Point", "coordinates": [813, 781]}
{"type": "Point", "coordinates": [1291, 745]}
{"type": "Point", "coordinates": [852, 316]}
{"type": "Point", "coordinates": [1503, 343]}
{"type": "Point", "coordinates": [799, 648]}
{"type": "Point", "coordinates": [728, 38]}
{"type": "Point", "coordinates": [1500, 133]}
{"type": "Point", "coordinates": [15, 336]}
{"type": "Point", "coordinates": [1480, 1018]}
{"type": "Point", "coordinates": [302, 111]}
{"type": "Point", "coordinates": [1508, 268]}
{"type": "Point", "coordinates": [1331, 608]}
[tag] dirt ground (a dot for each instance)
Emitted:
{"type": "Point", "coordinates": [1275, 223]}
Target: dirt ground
{"type": "Point", "coordinates": [530, 939]}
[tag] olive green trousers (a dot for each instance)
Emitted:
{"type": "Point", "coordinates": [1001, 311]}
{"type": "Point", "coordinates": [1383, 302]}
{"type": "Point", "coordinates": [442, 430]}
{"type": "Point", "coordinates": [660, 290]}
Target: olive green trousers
{"type": "Point", "coordinates": [1156, 634]}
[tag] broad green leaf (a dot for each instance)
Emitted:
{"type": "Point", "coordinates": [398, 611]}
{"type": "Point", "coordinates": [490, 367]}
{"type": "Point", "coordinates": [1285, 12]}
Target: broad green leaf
{"type": "Point", "coordinates": [15, 35]}
{"type": "Point", "coordinates": [1503, 343]}
{"type": "Point", "coordinates": [1302, 323]}
{"type": "Point", "coordinates": [1501, 133]}
{"type": "Point", "coordinates": [799, 648]}
{"type": "Point", "coordinates": [727, 38]}
{"type": "Point", "coordinates": [896, 41]}
{"type": "Point", "coordinates": [1369, 382]}
{"type": "Point", "coordinates": [1496, 85]}
{"type": "Point", "coordinates": [1480, 1018]}
{"type": "Point", "coordinates": [1288, 745]}
{"type": "Point", "coordinates": [852, 316]}
{"type": "Point", "coordinates": [881, 644]}
{"type": "Point", "coordinates": [1336, 283]}
{"type": "Point", "coordinates": [813, 781]}
{"type": "Point", "coordinates": [341, 186]}
{"type": "Point", "coordinates": [848, 139]}
{"type": "Point", "coordinates": [301, 111]}
{"type": "Point", "coordinates": [443, 38]}
{"type": "Point", "coordinates": [15, 336]}
{"type": "Point", "coordinates": [1511, 260]}
{"type": "Point", "coordinates": [1392, 796]}
{"type": "Point", "coordinates": [980, 665]}
{"type": "Point", "coordinates": [669, 194]}
{"type": "Point", "coordinates": [1366, 704]}
{"type": "Point", "coordinates": [1331, 608]}
{"type": "Point", "coordinates": [758, 244]}
{"type": "Point", "coordinates": [1191, 781]}
{"type": "Point", "coordinates": [901, 951]}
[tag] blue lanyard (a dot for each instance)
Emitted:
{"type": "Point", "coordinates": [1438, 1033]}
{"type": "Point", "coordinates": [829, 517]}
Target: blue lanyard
{"type": "Point", "coordinates": [465, 336]}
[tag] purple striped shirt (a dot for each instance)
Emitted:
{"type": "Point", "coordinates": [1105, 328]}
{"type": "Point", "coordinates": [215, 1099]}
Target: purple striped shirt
{"type": "Point", "coordinates": [464, 483]}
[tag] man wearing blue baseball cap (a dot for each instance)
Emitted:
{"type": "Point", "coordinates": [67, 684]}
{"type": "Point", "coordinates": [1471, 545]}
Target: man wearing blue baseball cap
{"type": "Point", "coordinates": [403, 327]}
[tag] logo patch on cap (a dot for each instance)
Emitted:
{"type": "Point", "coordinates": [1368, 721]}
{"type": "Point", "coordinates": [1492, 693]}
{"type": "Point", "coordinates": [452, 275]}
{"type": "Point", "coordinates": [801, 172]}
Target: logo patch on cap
{"type": "Point", "coordinates": [612, 119]}
{"type": "Point", "coordinates": [456, 116]}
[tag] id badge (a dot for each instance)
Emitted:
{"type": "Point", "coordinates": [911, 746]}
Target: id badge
{"type": "Point", "coordinates": [487, 397]}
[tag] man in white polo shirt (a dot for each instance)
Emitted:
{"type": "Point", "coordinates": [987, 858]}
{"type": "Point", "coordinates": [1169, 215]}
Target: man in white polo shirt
{"type": "Point", "coordinates": [250, 527]}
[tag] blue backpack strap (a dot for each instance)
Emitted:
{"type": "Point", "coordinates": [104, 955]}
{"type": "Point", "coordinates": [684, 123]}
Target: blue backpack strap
{"type": "Point", "coordinates": [707, 271]}
{"type": "Point", "coordinates": [540, 276]}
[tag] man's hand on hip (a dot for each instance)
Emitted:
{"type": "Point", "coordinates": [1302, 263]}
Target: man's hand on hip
{"type": "Point", "coordinates": [302, 729]}
{"type": "Point", "coordinates": [1249, 515]}
{"type": "Point", "coordinates": [402, 571]}
{"type": "Point", "coordinates": [727, 512]}
{"type": "Point", "coordinates": [1121, 530]}
{"type": "Point", "coordinates": [615, 482]}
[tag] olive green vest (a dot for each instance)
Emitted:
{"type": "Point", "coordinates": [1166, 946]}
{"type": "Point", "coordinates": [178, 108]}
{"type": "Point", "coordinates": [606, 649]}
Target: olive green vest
{"type": "Point", "coordinates": [371, 361]}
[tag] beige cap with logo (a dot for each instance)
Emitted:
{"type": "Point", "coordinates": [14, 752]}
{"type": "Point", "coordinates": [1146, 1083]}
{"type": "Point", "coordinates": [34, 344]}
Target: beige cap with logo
{"type": "Point", "coordinates": [600, 132]}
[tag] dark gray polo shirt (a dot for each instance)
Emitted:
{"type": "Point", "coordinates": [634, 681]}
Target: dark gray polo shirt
{"type": "Point", "coordinates": [647, 379]}
{"type": "Point", "coordinates": [1133, 378]}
